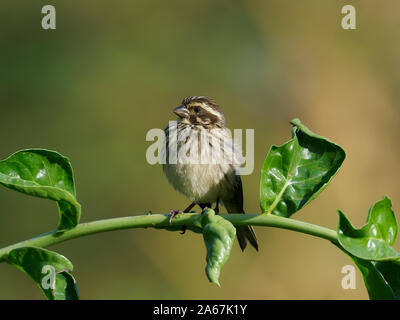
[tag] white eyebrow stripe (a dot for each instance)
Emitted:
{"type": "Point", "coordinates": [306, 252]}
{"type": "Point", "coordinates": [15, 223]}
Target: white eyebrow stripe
{"type": "Point", "coordinates": [211, 110]}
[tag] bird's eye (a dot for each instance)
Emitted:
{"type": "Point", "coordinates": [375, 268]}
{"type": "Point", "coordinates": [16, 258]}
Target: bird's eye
{"type": "Point", "coordinates": [196, 109]}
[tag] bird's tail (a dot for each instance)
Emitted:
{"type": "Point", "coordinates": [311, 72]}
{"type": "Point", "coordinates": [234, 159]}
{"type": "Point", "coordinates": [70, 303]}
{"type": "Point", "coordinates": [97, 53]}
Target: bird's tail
{"type": "Point", "coordinates": [244, 234]}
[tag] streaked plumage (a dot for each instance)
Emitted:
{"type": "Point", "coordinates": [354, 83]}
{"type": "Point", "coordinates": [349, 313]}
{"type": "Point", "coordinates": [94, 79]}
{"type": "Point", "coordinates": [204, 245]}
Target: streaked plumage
{"type": "Point", "coordinates": [202, 167]}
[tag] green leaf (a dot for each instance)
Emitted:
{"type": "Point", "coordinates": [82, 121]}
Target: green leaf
{"type": "Point", "coordinates": [379, 285]}
{"type": "Point", "coordinates": [375, 239]}
{"type": "Point", "coordinates": [296, 172]}
{"type": "Point", "coordinates": [391, 273]}
{"type": "Point", "coordinates": [371, 250]}
{"type": "Point", "coordinates": [218, 235]}
{"type": "Point", "coordinates": [65, 288]}
{"type": "Point", "coordinates": [49, 270]}
{"type": "Point", "coordinates": [45, 174]}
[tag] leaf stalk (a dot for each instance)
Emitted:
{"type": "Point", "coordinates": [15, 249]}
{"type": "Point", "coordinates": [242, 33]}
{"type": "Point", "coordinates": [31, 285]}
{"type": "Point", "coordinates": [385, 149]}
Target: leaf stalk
{"type": "Point", "coordinates": [190, 220]}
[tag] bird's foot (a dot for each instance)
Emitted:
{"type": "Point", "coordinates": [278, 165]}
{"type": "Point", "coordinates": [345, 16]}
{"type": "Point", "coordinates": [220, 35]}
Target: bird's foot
{"type": "Point", "coordinates": [183, 229]}
{"type": "Point", "coordinates": [216, 210]}
{"type": "Point", "coordinates": [204, 209]}
{"type": "Point", "coordinates": [173, 213]}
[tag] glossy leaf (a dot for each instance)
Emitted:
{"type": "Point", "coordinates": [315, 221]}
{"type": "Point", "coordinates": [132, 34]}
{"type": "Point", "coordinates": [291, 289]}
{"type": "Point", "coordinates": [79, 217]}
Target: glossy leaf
{"type": "Point", "coordinates": [294, 173]}
{"type": "Point", "coordinates": [49, 270]}
{"type": "Point", "coordinates": [390, 271]}
{"type": "Point", "coordinates": [375, 239]}
{"type": "Point", "coordinates": [218, 235]}
{"type": "Point", "coordinates": [45, 174]}
{"type": "Point", "coordinates": [65, 287]}
{"type": "Point", "coordinates": [376, 282]}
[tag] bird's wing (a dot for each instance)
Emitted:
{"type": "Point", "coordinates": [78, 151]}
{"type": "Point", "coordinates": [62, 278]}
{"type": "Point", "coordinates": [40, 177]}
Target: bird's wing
{"type": "Point", "coordinates": [233, 202]}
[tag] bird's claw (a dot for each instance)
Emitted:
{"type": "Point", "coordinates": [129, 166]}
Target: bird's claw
{"type": "Point", "coordinates": [183, 229]}
{"type": "Point", "coordinates": [173, 213]}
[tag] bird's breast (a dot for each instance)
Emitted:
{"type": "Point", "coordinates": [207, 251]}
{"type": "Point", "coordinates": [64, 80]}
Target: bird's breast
{"type": "Point", "coordinates": [201, 163]}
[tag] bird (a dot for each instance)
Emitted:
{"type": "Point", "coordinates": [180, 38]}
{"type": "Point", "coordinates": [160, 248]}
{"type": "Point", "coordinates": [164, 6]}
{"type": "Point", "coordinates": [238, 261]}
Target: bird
{"type": "Point", "coordinates": [202, 161]}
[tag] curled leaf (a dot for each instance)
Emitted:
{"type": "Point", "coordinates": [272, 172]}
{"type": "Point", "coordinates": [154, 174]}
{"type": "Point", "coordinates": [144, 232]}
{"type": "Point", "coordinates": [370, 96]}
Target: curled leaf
{"type": "Point", "coordinates": [296, 172]}
{"type": "Point", "coordinates": [45, 174]}
{"type": "Point", "coordinates": [379, 284]}
{"type": "Point", "coordinates": [390, 271]}
{"type": "Point", "coordinates": [48, 269]}
{"type": "Point", "coordinates": [375, 239]}
{"type": "Point", "coordinates": [370, 247]}
{"type": "Point", "coordinates": [65, 287]}
{"type": "Point", "coordinates": [218, 235]}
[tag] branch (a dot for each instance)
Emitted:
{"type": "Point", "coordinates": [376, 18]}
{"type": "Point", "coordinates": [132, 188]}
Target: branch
{"type": "Point", "coordinates": [190, 220]}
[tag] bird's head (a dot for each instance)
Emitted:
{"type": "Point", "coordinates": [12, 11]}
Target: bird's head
{"type": "Point", "coordinates": [200, 110]}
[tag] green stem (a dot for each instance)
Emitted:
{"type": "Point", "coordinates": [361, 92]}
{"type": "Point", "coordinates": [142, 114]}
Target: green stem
{"type": "Point", "coordinates": [190, 220]}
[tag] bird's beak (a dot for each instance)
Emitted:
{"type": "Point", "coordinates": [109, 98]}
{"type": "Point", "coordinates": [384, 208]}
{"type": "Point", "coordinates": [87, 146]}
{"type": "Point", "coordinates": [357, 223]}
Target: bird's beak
{"type": "Point", "coordinates": [181, 111]}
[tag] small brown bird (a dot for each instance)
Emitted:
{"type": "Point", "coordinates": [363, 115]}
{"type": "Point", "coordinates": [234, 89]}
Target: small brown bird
{"type": "Point", "coordinates": [202, 161]}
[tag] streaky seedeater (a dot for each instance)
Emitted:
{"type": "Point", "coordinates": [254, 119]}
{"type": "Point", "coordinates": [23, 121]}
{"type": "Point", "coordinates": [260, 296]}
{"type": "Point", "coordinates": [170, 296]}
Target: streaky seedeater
{"type": "Point", "coordinates": [205, 160]}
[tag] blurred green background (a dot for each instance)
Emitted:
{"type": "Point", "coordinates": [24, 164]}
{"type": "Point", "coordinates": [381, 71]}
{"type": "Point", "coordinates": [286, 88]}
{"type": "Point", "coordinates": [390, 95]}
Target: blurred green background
{"type": "Point", "coordinates": [92, 88]}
